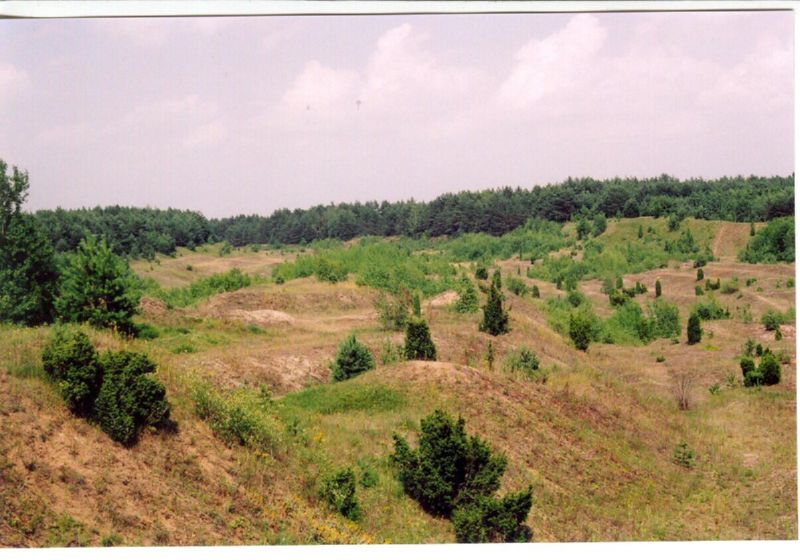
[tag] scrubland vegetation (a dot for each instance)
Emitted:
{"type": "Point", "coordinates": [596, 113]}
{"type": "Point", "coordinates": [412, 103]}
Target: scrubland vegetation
{"type": "Point", "coordinates": [587, 361]}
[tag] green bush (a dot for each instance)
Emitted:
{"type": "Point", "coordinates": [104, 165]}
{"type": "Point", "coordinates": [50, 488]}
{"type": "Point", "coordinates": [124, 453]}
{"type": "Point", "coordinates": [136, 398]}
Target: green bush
{"type": "Point", "coordinates": [71, 361]}
{"type": "Point", "coordinates": [352, 359]}
{"type": "Point", "coordinates": [774, 243]}
{"type": "Point", "coordinates": [750, 376]}
{"type": "Point", "coordinates": [694, 332]}
{"type": "Point", "coordinates": [229, 281]}
{"type": "Point", "coordinates": [772, 319]}
{"type": "Point", "coordinates": [454, 475]}
{"type": "Point", "coordinates": [495, 318]}
{"type": "Point", "coordinates": [699, 274]}
{"type": "Point", "coordinates": [492, 520]}
{"type": "Point", "coordinates": [663, 319]}
{"type": "Point", "coordinates": [770, 369]}
{"type": "Point", "coordinates": [535, 291]}
{"type": "Point", "coordinates": [145, 331]}
{"type": "Point", "coordinates": [330, 271]}
{"type": "Point", "coordinates": [419, 345]}
{"type": "Point", "coordinates": [481, 272]}
{"type": "Point", "coordinates": [339, 490]}
{"type": "Point", "coordinates": [516, 286]}
{"type": "Point", "coordinates": [683, 455]}
{"type": "Point", "coordinates": [393, 311]}
{"type": "Point", "coordinates": [525, 361]}
{"type": "Point", "coordinates": [710, 309]}
{"type": "Point", "coordinates": [129, 400]}
{"type": "Point", "coordinates": [580, 330]}
{"type": "Point", "coordinates": [658, 288]}
{"type": "Point", "coordinates": [698, 290]}
{"type": "Point", "coordinates": [467, 297]}
{"type": "Point", "coordinates": [391, 353]}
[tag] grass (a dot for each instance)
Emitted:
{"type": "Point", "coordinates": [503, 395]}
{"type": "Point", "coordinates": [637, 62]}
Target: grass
{"type": "Point", "coordinates": [596, 441]}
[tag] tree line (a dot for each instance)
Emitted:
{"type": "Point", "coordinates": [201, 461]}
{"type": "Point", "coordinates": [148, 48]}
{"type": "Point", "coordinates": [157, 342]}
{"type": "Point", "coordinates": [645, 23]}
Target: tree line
{"type": "Point", "coordinates": [143, 232]}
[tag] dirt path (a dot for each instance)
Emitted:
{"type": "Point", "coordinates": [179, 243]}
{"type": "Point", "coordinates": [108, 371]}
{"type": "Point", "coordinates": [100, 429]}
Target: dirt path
{"type": "Point", "coordinates": [730, 239]}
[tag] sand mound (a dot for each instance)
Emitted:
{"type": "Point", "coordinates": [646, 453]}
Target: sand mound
{"type": "Point", "coordinates": [445, 299]}
{"type": "Point", "coordinates": [153, 306]}
{"type": "Point", "coordinates": [263, 317]}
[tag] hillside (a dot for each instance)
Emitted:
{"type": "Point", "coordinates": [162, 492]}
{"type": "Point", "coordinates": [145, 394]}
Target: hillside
{"type": "Point", "coordinates": [596, 441]}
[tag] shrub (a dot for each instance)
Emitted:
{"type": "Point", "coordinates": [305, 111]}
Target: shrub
{"type": "Point", "coordinates": [526, 361]}
{"type": "Point", "coordinates": [660, 359]}
{"type": "Point", "coordinates": [331, 271]}
{"type": "Point", "coordinates": [750, 281]}
{"type": "Point", "coordinates": [617, 298]}
{"type": "Point", "coordinates": [391, 353]}
{"type": "Point", "coordinates": [714, 389]}
{"type": "Point", "coordinates": [492, 520]}
{"type": "Point", "coordinates": [353, 358]}
{"type": "Point", "coordinates": [580, 330]}
{"type": "Point", "coordinates": [98, 287]}
{"type": "Point", "coordinates": [770, 369]}
{"type": "Point", "coordinates": [495, 318]}
{"type": "Point", "coordinates": [516, 286]}
{"type": "Point", "coordinates": [339, 490]}
{"type": "Point", "coordinates": [663, 319]}
{"type": "Point", "coordinates": [71, 361]}
{"type": "Point", "coordinates": [730, 286]}
{"type": "Point", "coordinates": [774, 243]}
{"type": "Point", "coordinates": [658, 288]}
{"type": "Point", "coordinates": [674, 222]}
{"type": "Point", "coordinates": [749, 374]}
{"type": "Point", "coordinates": [699, 274]}
{"type": "Point", "coordinates": [128, 399]}
{"type": "Point", "coordinates": [698, 290]}
{"type": "Point", "coordinates": [772, 320]}
{"type": "Point", "coordinates": [419, 345]}
{"type": "Point", "coordinates": [749, 347]}
{"type": "Point", "coordinates": [535, 291]}
{"type": "Point", "coordinates": [416, 305]}
{"type": "Point", "coordinates": [694, 331]}
{"type": "Point", "coordinates": [710, 309]}
{"type": "Point", "coordinates": [481, 272]}
{"type": "Point", "coordinates": [454, 475]}
{"type": "Point", "coordinates": [683, 455]}
{"type": "Point", "coordinates": [392, 311]}
{"type": "Point", "coordinates": [145, 331]}
{"type": "Point", "coordinates": [467, 297]}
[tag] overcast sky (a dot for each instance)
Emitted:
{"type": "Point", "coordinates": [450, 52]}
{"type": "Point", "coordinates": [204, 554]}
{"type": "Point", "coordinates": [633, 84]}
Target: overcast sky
{"type": "Point", "coordinates": [248, 115]}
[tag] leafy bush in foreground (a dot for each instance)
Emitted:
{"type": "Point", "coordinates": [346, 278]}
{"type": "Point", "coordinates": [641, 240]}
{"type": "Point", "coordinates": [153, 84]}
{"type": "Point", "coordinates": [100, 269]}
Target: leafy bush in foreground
{"type": "Point", "coordinates": [129, 400]}
{"type": "Point", "coordinates": [774, 243]}
{"type": "Point", "coordinates": [71, 361]}
{"type": "Point", "coordinates": [454, 475]}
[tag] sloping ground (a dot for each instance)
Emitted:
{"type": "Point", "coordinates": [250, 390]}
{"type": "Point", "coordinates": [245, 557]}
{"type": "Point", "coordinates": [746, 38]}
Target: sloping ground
{"type": "Point", "coordinates": [596, 441]}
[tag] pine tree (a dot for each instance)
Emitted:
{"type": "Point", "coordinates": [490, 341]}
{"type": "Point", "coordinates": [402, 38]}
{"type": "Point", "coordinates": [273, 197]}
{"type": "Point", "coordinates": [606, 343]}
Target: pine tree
{"type": "Point", "coordinates": [658, 288]}
{"type": "Point", "coordinates": [495, 318]}
{"type": "Point", "coordinates": [28, 273]}
{"type": "Point", "coordinates": [535, 291]}
{"type": "Point", "coordinates": [419, 345]}
{"type": "Point", "coordinates": [468, 297]}
{"type": "Point", "coordinates": [352, 358]}
{"type": "Point", "coordinates": [700, 274]}
{"type": "Point", "coordinates": [694, 332]}
{"type": "Point", "coordinates": [98, 287]}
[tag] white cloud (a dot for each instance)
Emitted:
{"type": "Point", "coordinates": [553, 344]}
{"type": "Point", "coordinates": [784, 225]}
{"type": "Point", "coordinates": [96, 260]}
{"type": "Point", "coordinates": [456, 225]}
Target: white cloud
{"type": "Point", "coordinates": [554, 65]}
{"type": "Point", "coordinates": [321, 88]}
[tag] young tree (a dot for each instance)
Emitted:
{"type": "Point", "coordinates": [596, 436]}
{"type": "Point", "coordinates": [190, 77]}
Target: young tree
{"type": "Point", "coordinates": [658, 288]}
{"type": "Point", "coordinates": [419, 345]}
{"type": "Point", "coordinates": [770, 369]}
{"type": "Point", "coordinates": [535, 291]}
{"type": "Point", "coordinates": [353, 358]}
{"type": "Point", "coordinates": [416, 305]}
{"type": "Point", "coordinates": [599, 224]}
{"type": "Point", "coordinates": [468, 297]}
{"type": "Point", "coordinates": [580, 330]}
{"type": "Point", "coordinates": [98, 287]}
{"type": "Point", "coordinates": [748, 371]}
{"type": "Point", "coordinates": [700, 274]}
{"type": "Point", "coordinates": [495, 318]}
{"type": "Point", "coordinates": [694, 332]}
{"type": "Point", "coordinates": [640, 233]}
{"type": "Point", "coordinates": [28, 273]}
{"type": "Point", "coordinates": [582, 228]}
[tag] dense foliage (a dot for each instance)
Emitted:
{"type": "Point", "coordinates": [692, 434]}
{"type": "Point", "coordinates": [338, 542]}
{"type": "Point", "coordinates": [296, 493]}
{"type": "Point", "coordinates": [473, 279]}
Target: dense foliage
{"type": "Point", "coordinates": [454, 475]}
{"type": "Point", "coordinates": [339, 490]}
{"type": "Point", "coordinates": [419, 345]}
{"type": "Point", "coordinates": [229, 281]}
{"type": "Point", "coordinates": [98, 287]}
{"type": "Point", "coordinates": [129, 399]}
{"type": "Point", "coordinates": [144, 231]}
{"type": "Point", "coordinates": [352, 358]}
{"type": "Point", "coordinates": [28, 272]}
{"type": "Point", "coordinates": [694, 331]}
{"type": "Point", "coordinates": [71, 362]}
{"type": "Point", "coordinates": [774, 243]}
{"type": "Point", "coordinates": [495, 318]}
{"type": "Point", "coordinates": [114, 389]}
{"type": "Point", "coordinates": [467, 296]}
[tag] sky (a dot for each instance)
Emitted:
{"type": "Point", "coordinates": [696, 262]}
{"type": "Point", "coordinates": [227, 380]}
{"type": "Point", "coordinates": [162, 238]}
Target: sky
{"type": "Point", "coordinates": [252, 114]}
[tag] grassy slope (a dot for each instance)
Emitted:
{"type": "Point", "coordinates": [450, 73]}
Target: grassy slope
{"type": "Point", "coordinates": [595, 442]}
